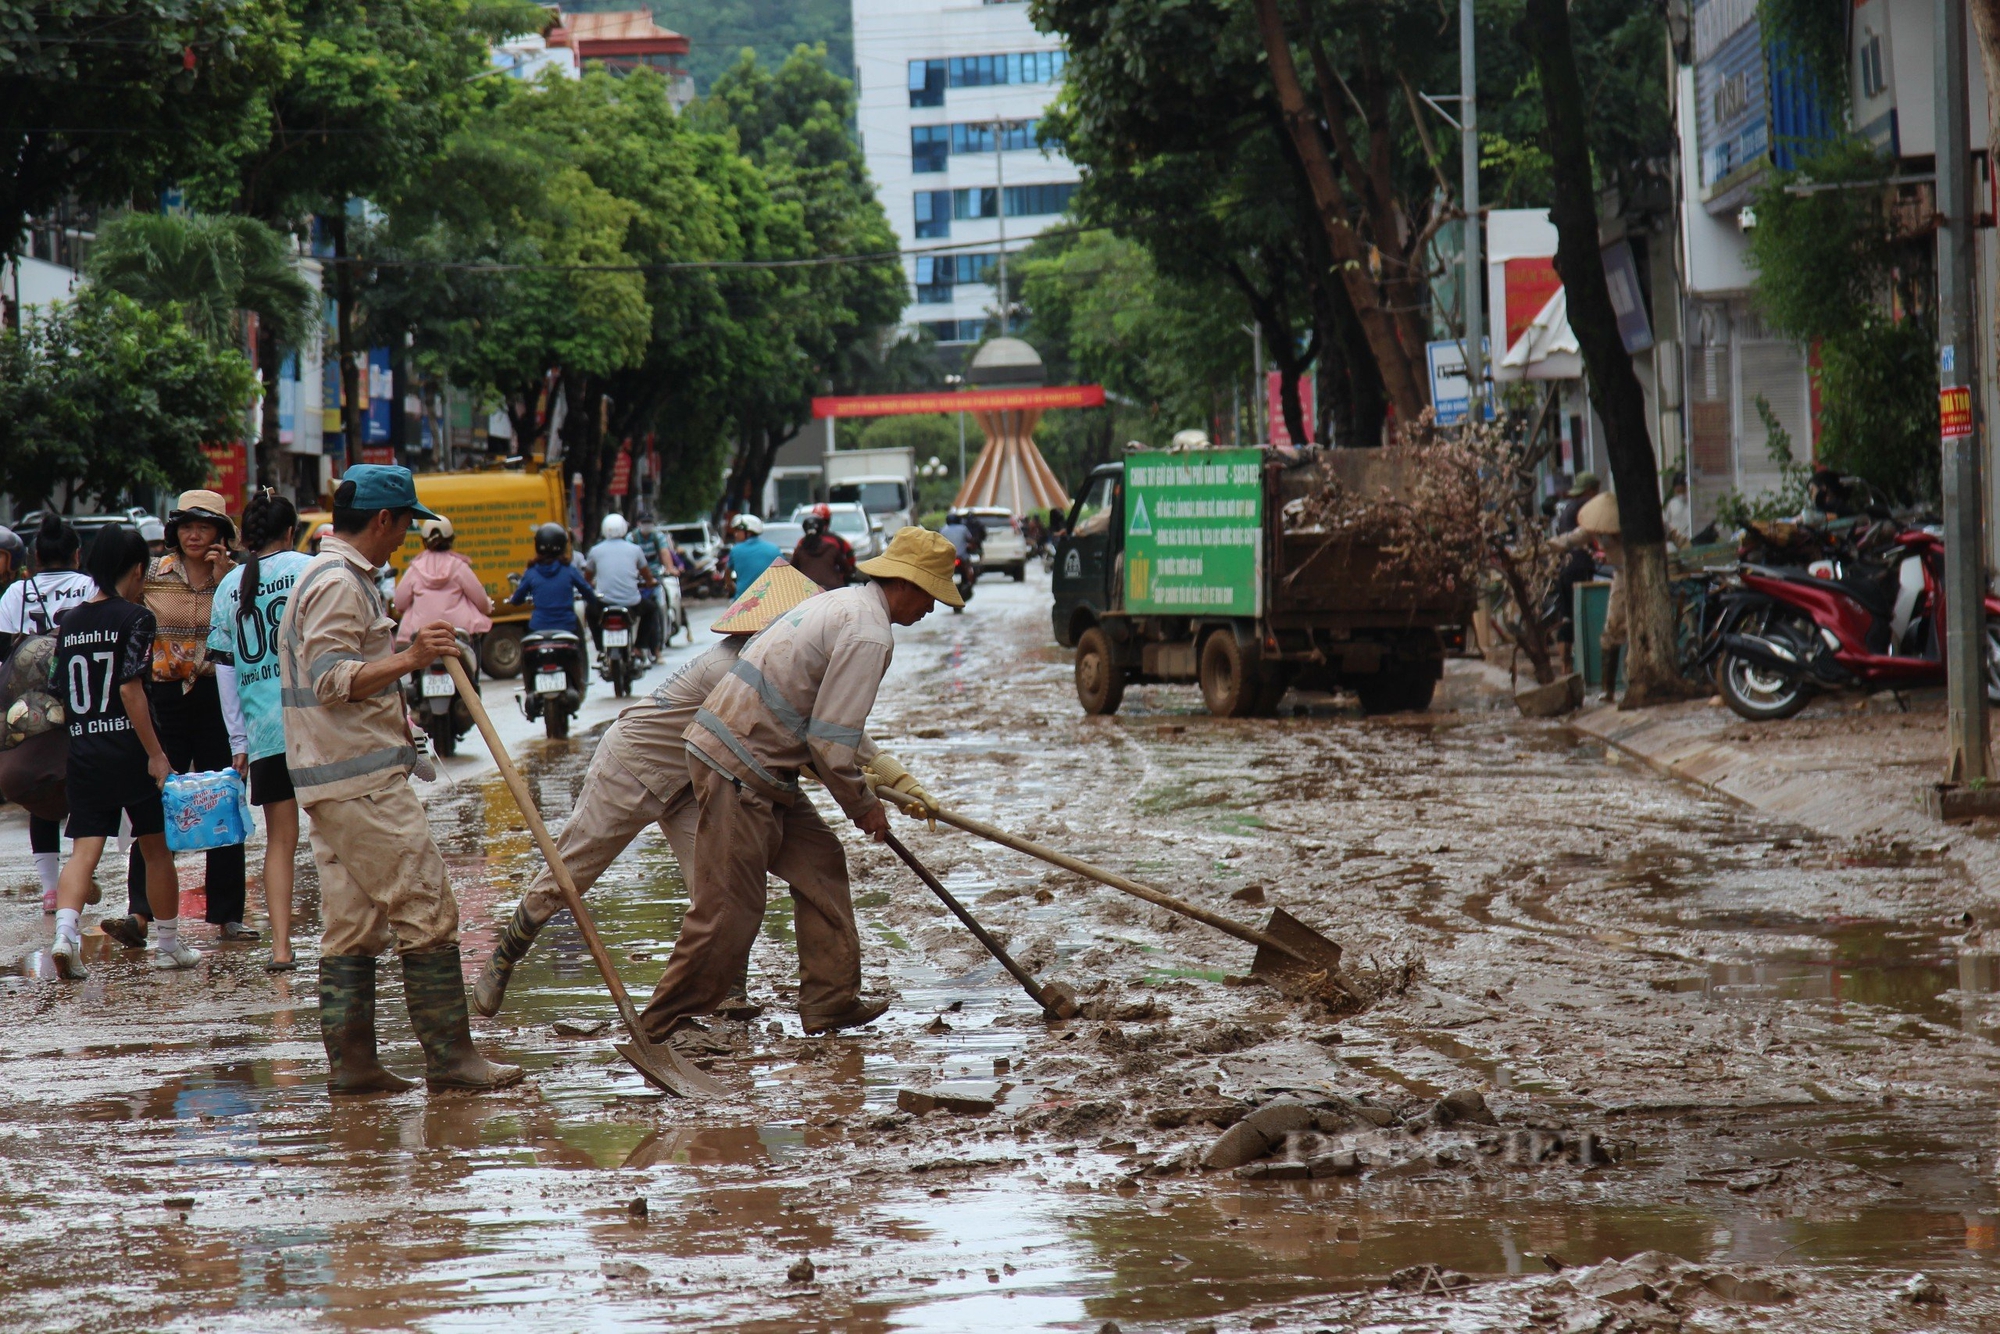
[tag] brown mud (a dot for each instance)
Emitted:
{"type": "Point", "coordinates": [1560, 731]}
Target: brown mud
{"type": "Point", "coordinates": [1767, 1054]}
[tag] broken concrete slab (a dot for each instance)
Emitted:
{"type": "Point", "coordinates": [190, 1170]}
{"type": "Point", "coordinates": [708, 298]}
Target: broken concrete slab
{"type": "Point", "coordinates": [972, 1098]}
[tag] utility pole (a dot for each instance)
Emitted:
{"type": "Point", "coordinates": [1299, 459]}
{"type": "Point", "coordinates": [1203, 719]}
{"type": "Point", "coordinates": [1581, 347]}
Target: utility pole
{"type": "Point", "coordinates": [1468, 138]}
{"type": "Point", "coordinates": [1258, 396]}
{"type": "Point", "coordinates": [1000, 128]}
{"type": "Point", "coordinates": [1958, 404]}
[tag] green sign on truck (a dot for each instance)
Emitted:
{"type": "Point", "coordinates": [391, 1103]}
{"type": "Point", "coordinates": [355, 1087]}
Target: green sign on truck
{"type": "Point", "coordinates": [1193, 529]}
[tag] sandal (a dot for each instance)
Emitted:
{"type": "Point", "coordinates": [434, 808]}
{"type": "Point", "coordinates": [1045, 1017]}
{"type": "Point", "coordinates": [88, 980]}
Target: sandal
{"type": "Point", "coordinates": [127, 930]}
{"type": "Point", "coordinates": [238, 931]}
{"type": "Point", "coordinates": [281, 965]}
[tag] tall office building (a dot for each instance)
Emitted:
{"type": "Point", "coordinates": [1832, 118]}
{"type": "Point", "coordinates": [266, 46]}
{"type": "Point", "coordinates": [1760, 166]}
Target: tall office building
{"type": "Point", "coordinates": [949, 96]}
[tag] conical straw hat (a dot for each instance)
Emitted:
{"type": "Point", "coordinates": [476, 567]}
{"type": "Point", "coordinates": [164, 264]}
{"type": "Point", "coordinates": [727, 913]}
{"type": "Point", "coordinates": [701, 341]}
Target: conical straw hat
{"type": "Point", "coordinates": [775, 592]}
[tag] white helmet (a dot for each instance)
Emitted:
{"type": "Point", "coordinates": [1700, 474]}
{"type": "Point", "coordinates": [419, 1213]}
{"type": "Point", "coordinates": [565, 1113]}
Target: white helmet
{"type": "Point", "coordinates": [612, 528]}
{"type": "Point", "coordinates": [439, 527]}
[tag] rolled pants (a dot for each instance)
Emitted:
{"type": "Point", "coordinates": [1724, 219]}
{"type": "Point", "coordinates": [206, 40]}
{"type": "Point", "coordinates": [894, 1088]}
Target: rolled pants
{"type": "Point", "coordinates": [740, 838]}
{"type": "Point", "coordinates": [196, 740]}
{"type": "Point", "coordinates": [612, 809]}
{"type": "Point", "coordinates": [381, 880]}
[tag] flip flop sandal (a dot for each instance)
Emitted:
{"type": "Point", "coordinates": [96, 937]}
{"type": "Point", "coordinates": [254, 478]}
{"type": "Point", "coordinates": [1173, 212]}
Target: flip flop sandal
{"type": "Point", "coordinates": [281, 965]}
{"type": "Point", "coordinates": [238, 931]}
{"type": "Point", "coordinates": [128, 931]}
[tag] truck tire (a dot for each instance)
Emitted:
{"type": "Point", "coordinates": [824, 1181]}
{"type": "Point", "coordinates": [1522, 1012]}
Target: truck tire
{"type": "Point", "coordinates": [1398, 688]}
{"type": "Point", "coordinates": [500, 655]}
{"type": "Point", "coordinates": [1230, 682]}
{"type": "Point", "coordinates": [1100, 681]}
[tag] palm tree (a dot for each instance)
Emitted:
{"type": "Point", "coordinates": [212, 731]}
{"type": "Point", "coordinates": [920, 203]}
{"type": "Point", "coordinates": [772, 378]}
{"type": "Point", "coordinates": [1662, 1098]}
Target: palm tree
{"type": "Point", "coordinates": [216, 268]}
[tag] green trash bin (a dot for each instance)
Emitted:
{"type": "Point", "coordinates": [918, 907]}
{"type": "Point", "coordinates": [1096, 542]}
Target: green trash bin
{"type": "Point", "coordinates": [1590, 604]}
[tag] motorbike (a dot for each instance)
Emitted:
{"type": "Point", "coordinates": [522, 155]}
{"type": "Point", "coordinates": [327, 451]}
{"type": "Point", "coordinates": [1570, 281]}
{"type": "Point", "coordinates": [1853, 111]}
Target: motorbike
{"type": "Point", "coordinates": [434, 699]}
{"type": "Point", "coordinates": [552, 665]}
{"type": "Point", "coordinates": [708, 576]}
{"type": "Point", "coordinates": [620, 630]}
{"type": "Point", "coordinates": [965, 573]}
{"type": "Point", "coordinates": [1870, 617]}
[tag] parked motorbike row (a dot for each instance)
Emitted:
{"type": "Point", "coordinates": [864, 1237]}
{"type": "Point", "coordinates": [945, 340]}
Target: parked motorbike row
{"type": "Point", "coordinates": [1806, 610]}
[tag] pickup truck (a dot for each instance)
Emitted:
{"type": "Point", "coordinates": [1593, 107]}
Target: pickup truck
{"type": "Point", "coordinates": [1177, 566]}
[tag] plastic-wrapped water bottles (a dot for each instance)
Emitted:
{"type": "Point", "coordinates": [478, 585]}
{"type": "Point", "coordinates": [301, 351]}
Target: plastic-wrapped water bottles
{"type": "Point", "coordinates": [209, 810]}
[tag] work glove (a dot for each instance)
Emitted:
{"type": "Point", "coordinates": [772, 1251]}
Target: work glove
{"type": "Point", "coordinates": [886, 770]}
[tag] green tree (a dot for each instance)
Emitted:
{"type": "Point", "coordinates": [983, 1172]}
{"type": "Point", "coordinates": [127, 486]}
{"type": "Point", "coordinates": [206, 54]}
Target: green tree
{"type": "Point", "coordinates": [101, 99]}
{"type": "Point", "coordinates": [1832, 271]}
{"type": "Point", "coordinates": [792, 123]}
{"type": "Point", "coordinates": [215, 268]}
{"type": "Point", "coordinates": [101, 398]}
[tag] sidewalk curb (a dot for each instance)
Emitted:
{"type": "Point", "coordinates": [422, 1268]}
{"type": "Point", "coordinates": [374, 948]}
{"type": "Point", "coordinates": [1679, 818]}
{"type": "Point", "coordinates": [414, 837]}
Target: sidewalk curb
{"type": "Point", "coordinates": [1822, 798]}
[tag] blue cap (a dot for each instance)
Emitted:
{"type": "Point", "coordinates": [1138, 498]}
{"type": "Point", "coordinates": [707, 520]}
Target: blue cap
{"type": "Point", "coordinates": [378, 486]}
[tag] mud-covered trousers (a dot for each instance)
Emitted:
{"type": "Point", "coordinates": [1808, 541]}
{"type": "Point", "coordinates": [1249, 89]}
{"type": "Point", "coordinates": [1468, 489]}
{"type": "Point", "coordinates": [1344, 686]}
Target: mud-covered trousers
{"type": "Point", "coordinates": [381, 879]}
{"type": "Point", "coordinates": [740, 838]}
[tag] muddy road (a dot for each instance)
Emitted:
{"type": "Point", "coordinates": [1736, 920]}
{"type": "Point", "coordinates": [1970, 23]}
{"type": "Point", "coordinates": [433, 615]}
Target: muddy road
{"type": "Point", "coordinates": [1759, 1061]}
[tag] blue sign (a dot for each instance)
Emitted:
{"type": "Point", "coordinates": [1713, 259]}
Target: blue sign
{"type": "Point", "coordinates": [381, 389]}
{"type": "Point", "coordinates": [1449, 387]}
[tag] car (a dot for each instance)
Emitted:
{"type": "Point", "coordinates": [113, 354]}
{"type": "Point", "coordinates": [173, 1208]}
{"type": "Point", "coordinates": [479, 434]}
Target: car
{"type": "Point", "coordinates": [87, 526]}
{"type": "Point", "coordinates": [1004, 547]}
{"type": "Point", "coordinates": [695, 539]}
{"type": "Point", "coordinates": [783, 536]}
{"type": "Point", "coordinates": [852, 523]}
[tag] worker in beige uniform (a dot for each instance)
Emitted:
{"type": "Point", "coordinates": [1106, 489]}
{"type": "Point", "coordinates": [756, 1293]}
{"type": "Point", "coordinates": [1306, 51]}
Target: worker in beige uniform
{"type": "Point", "coordinates": [1597, 521]}
{"type": "Point", "coordinates": [349, 751]}
{"type": "Point", "coordinates": [639, 776]}
{"type": "Point", "coordinates": [798, 697]}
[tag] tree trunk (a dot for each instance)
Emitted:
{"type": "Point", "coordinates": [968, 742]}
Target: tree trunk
{"type": "Point", "coordinates": [343, 303]}
{"type": "Point", "coordinates": [1407, 391]}
{"type": "Point", "coordinates": [267, 436]}
{"type": "Point", "coordinates": [1652, 669]}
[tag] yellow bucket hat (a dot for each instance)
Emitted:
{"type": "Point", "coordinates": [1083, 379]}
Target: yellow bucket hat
{"type": "Point", "coordinates": [773, 593]}
{"type": "Point", "coordinates": [921, 556]}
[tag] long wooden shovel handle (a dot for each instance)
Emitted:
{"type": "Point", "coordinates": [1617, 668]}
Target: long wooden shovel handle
{"type": "Point", "coordinates": [993, 947]}
{"type": "Point", "coordinates": [529, 812]}
{"type": "Point", "coordinates": [1247, 934]}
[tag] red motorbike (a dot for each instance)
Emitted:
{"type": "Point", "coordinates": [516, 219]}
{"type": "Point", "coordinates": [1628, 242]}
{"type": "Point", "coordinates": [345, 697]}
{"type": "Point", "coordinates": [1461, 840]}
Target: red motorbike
{"type": "Point", "coordinates": [1871, 622]}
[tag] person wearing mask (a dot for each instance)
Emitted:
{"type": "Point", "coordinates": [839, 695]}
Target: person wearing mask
{"type": "Point", "coordinates": [441, 585]}
{"type": "Point", "coordinates": [957, 532]}
{"type": "Point", "coordinates": [349, 753]}
{"type": "Point", "coordinates": [117, 762]}
{"type": "Point", "coordinates": [551, 585]}
{"type": "Point", "coordinates": [155, 534]}
{"type": "Point", "coordinates": [187, 703]}
{"type": "Point", "coordinates": [798, 696]}
{"type": "Point", "coordinates": [32, 606]}
{"type": "Point", "coordinates": [823, 555]}
{"type": "Point", "coordinates": [664, 562]}
{"type": "Point", "coordinates": [621, 576]}
{"type": "Point", "coordinates": [243, 645]}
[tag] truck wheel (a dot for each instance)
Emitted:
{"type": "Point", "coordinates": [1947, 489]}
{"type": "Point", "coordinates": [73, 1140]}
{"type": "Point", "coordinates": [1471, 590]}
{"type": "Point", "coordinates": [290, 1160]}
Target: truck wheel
{"type": "Point", "coordinates": [1400, 688]}
{"type": "Point", "coordinates": [1100, 681]}
{"type": "Point", "coordinates": [500, 655]}
{"type": "Point", "coordinates": [1230, 683]}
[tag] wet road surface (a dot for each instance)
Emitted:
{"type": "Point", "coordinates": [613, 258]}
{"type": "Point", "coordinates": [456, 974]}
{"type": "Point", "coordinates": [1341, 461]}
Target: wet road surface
{"type": "Point", "coordinates": [1702, 1033]}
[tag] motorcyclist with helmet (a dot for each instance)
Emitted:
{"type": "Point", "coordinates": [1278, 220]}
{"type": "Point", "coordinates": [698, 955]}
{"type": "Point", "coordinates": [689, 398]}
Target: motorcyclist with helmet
{"type": "Point", "coordinates": [552, 585]}
{"type": "Point", "coordinates": [622, 577]}
{"type": "Point", "coordinates": [823, 555]}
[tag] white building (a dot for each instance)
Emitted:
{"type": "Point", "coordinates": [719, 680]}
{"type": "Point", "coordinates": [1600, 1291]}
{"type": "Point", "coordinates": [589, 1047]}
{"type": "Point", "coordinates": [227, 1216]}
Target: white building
{"type": "Point", "coordinates": [942, 85]}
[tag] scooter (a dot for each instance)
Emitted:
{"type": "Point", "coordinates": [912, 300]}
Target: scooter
{"type": "Point", "coordinates": [965, 573]}
{"type": "Point", "coordinates": [1872, 622]}
{"type": "Point", "coordinates": [434, 699]}
{"type": "Point", "coordinates": [552, 664]}
{"type": "Point", "coordinates": [618, 627]}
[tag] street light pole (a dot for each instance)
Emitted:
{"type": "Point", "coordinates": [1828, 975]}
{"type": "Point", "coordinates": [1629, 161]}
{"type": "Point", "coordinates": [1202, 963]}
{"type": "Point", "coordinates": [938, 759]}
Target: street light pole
{"type": "Point", "coordinates": [1468, 137]}
{"type": "Point", "coordinates": [1000, 213]}
{"type": "Point", "coordinates": [1959, 410]}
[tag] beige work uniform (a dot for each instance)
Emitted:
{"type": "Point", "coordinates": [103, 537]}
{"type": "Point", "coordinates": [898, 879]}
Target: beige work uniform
{"type": "Point", "coordinates": [381, 878]}
{"type": "Point", "coordinates": [799, 696]}
{"type": "Point", "coordinates": [639, 776]}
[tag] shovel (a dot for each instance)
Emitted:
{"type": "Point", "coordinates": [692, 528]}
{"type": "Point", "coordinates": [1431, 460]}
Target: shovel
{"type": "Point", "coordinates": [1286, 947]}
{"type": "Point", "coordinates": [662, 1066]}
{"type": "Point", "coordinates": [1057, 1000]}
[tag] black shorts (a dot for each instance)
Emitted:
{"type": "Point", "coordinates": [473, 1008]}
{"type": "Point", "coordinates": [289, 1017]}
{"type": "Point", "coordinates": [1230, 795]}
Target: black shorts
{"type": "Point", "coordinates": [92, 818]}
{"type": "Point", "coordinates": [270, 781]}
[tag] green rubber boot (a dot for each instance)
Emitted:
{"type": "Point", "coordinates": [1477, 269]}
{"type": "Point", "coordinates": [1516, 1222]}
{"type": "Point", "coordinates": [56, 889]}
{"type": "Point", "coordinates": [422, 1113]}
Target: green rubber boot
{"type": "Point", "coordinates": [347, 1026]}
{"type": "Point", "coordinates": [516, 939]}
{"type": "Point", "coordinates": [434, 989]}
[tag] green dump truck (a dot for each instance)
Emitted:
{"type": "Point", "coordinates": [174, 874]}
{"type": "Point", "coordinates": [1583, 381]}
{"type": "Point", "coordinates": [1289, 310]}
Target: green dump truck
{"type": "Point", "coordinates": [1179, 566]}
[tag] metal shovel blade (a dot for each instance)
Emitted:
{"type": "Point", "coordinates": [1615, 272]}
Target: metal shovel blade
{"type": "Point", "coordinates": [1309, 951]}
{"type": "Point", "coordinates": [666, 1069]}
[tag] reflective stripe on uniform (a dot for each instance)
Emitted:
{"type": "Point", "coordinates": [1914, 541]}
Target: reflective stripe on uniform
{"type": "Point", "coordinates": [703, 718]}
{"type": "Point", "coordinates": [326, 662]}
{"type": "Point", "coordinates": [787, 716]}
{"type": "Point", "coordinates": [375, 761]}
